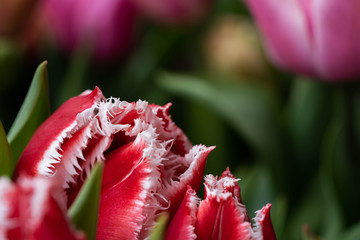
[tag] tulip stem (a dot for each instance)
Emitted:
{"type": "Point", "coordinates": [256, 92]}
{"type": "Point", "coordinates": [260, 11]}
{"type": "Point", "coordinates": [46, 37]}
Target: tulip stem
{"type": "Point", "coordinates": [349, 97]}
{"type": "Point", "coordinates": [74, 79]}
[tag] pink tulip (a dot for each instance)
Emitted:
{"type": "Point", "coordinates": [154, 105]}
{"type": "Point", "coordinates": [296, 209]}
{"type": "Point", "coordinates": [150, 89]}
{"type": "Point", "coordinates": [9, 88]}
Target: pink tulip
{"type": "Point", "coordinates": [29, 211]}
{"type": "Point", "coordinates": [221, 215]}
{"type": "Point", "coordinates": [174, 12]}
{"type": "Point", "coordinates": [314, 37]}
{"type": "Point", "coordinates": [148, 160]}
{"type": "Point", "coordinates": [105, 27]}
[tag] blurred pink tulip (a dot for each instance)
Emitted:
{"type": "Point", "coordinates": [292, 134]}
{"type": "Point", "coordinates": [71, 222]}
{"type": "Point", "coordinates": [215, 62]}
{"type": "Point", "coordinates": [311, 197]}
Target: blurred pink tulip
{"type": "Point", "coordinates": [174, 12]}
{"type": "Point", "coordinates": [313, 37]}
{"type": "Point", "coordinates": [105, 28]}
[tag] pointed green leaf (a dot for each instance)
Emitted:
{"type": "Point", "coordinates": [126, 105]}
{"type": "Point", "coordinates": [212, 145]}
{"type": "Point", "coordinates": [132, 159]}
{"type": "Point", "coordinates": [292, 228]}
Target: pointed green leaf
{"type": "Point", "coordinates": [159, 230]}
{"type": "Point", "coordinates": [33, 112]}
{"type": "Point", "coordinates": [248, 107]}
{"type": "Point", "coordinates": [84, 211]}
{"type": "Point", "coordinates": [6, 159]}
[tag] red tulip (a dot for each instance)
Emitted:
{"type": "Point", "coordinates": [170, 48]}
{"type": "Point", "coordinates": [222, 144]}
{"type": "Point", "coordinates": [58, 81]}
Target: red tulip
{"type": "Point", "coordinates": [220, 216]}
{"type": "Point", "coordinates": [29, 211]}
{"type": "Point", "coordinates": [315, 37]}
{"type": "Point", "coordinates": [148, 160]}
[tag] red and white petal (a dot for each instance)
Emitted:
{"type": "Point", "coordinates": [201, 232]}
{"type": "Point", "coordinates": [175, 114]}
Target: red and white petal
{"type": "Point", "coordinates": [194, 164]}
{"type": "Point", "coordinates": [54, 225]}
{"type": "Point", "coordinates": [232, 187]}
{"type": "Point", "coordinates": [128, 203]}
{"type": "Point", "coordinates": [8, 193]}
{"type": "Point", "coordinates": [263, 227]}
{"type": "Point", "coordinates": [222, 210]}
{"type": "Point", "coordinates": [44, 148]}
{"type": "Point", "coordinates": [218, 217]}
{"type": "Point", "coordinates": [28, 211]}
{"type": "Point", "coordinates": [182, 225]}
{"type": "Point", "coordinates": [181, 164]}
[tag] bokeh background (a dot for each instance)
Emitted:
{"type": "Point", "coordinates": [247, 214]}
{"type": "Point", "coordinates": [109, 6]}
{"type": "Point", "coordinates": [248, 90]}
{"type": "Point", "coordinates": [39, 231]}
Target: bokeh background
{"type": "Point", "coordinates": [292, 140]}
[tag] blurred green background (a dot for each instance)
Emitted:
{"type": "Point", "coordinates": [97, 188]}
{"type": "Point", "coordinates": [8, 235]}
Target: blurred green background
{"type": "Point", "coordinates": [291, 140]}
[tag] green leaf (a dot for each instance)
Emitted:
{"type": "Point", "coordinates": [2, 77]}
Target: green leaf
{"type": "Point", "coordinates": [352, 234]}
{"type": "Point", "coordinates": [6, 159]}
{"type": "Point", "coordinates": [84, 211]}
{"type": "Point", "coordinates": [159, 230]}
{"type": "Point", "coordinates": [33, 112]}
{"type": "Point", "coordinates": [248, 107]}
{"type": "Point", "coordinates": [310, 210]}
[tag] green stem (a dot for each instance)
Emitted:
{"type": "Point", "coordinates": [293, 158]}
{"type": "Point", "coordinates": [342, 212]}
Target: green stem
{"type": "Point", "coordinates": [75, 76]}
{"type": "Point", "coordinates": [349, 97]}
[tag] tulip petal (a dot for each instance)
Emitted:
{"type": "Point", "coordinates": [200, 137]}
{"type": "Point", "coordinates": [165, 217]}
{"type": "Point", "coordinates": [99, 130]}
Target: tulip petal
{"type": "Point", "coordinates": [28, 211]}
{"type": "Point", "coordinates": [196, 158]}
{"type": "Point", "coordinates": [182, 226]}
{"type": "Point", "coordinates": [225, 219]}
{"type": "Point", "coordinates": [129, 181]}
{"type": "Point", "coordinates": [221, 211]}
{"type": "Point", "coordinates": [182, 164]}
{"type": "Point", "coordinates": [166, 153]}
{"type": "Point", "coordinates": [263, 227]}
{"type": "Point", "coordinates": [235, 190]}
{"type": "Point", "coordinates": [44, 147]}
{"type": "Point", "coordinates": [337, 37]}
{"type": "Point", "coordinates": [287, 30]}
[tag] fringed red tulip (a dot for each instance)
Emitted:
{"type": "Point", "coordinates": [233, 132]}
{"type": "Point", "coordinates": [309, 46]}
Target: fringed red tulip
{"type": "Point", "coordinates": [29, 211]}
{"type": "Point", "coordinates": [221, 215]}
{"type": "Point", "coordinates": [149, 161]}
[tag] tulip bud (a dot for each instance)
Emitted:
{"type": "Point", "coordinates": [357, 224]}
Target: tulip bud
{"type": "Point", "coordinates": [174, 12]}
{"type": "Point", "coordinates": [318, 38]}
{"type": "Point", "coordinates": [232, 48]}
